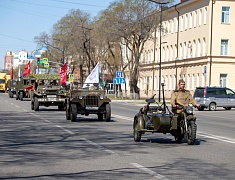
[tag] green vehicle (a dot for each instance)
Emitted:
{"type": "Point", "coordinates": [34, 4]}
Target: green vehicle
{"type": "Point", "coordinates": [47, 92]}
{"type": "Point", "coordinates": [11, 87]}
{"type": "Point", "coordinates": [85, 100]}
{"type": "Point", "coordinates": [23, 87]}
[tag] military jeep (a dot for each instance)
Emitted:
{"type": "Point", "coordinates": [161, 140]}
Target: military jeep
{"type": "Point", "coordinates": [11, 87]}
{"type": "Point", "coordinates": [87, 99]}
{"type": "Point", "coordinates": [47, 92]}
{"type": "Point", "coordinates": [23, 87]}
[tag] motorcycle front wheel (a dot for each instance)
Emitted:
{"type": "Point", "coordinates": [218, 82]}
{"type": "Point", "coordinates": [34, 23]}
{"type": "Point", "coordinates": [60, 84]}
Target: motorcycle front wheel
{"type": "Point", "coordinates": [191, 135]}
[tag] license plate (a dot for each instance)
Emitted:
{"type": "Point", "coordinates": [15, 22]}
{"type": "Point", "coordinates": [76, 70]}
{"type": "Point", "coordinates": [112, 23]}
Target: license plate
{"type": "Point", "coordinates": [91, 108]}
{"type": "Point", "coordinates": [51, 99]}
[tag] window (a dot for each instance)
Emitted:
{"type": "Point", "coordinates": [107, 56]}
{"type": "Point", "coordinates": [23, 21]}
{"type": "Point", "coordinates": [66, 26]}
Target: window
{"type": "Point", "coordinates": [192, 81]}
{"type": "Point", "coordinates": [200, 17]}
{"type": "Point", "coordinates": [223, 80]}
{"type": "Point", "coordinates": [194, 48]}
{"type": "Point", "coordinates": [186, 22]}
{"type": "Point", "coordinates": [205, 15]}
{"type": "Point", "coordinates": [204, 47]}
{"type": "Point", "coordinates": [190, 20]}
{"type": "Point", "coordinates": [224, 48]}
{"type": "Point", "coordinates": [195, 18]}
{"type": "Point", "coordinates": [181, 51]}
{"type": "Point", "coordinates": [172, 26]}
{"type": "Point", "coordinates": [199, 48]}
{"type": "Point", "coordinates": [185, 50]}
{"type": "Point", "coordinates": [176, 24]}
{"type": "Point", "coordinates": [225, 15]}
{"type": "Point", "coordinates": [182, 23]}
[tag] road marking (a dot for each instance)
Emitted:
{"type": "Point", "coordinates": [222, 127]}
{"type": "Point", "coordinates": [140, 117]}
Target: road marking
{"type": "Point", "coordinates": [98, 146]}
{"type": "Point", "coordinates": [219, 138]}
{"type": "Point", "coordinates": [123, 117]}
{"type": "Point", "coordinates": [66, 130]}
{"type": "Point", "coordinates": [149, 171]}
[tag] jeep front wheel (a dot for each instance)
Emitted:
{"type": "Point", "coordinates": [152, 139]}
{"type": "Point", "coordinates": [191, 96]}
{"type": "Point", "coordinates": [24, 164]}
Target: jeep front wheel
{"type": "Point", "coordinates": [108, 113]}
{"type": "Point", "coordinates": [73, 112]}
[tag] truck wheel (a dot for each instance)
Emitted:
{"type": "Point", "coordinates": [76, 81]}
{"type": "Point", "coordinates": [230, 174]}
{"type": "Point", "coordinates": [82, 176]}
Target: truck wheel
{"type": "Point", "coordinates": [108, 113]}
{"type": "Point", "coordinates": [36, 104]}
{"type": "Point", "coordinates": [73, 112]}
{"type": "Point", "coordinates": [100, 117]}
{"type": "Point", "coordinates": [21, 96]}
{"type": "Point", "coordinates": [212, 106]}
{"type": "Point", "coordinates": [12, 95]}
{"type": "Point", "coordinates": [32, 105]}
{"type": "Point", "coordinates": [68, 115]}
{"type": "Point", "coordinates": [191, 136]}
{"type": "Point", "coordinates": [136, 133]}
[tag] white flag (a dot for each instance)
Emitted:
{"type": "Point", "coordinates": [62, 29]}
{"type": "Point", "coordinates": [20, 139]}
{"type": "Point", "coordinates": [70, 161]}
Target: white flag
{"type": "Point", "coordinates": [19, 73]}
{"type": "Point", "coordinates": [94, 76]}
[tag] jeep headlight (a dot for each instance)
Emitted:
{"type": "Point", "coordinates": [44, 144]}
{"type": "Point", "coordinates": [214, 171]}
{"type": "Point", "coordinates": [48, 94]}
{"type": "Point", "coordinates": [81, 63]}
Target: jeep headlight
{"type": "Point", "coordinates": [80, 97]}
{"type": "Point", "coordinates": [101, 96]}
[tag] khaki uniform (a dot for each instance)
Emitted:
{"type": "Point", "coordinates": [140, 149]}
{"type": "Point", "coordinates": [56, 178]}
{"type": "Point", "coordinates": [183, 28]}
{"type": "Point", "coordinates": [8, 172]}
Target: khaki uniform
{"type": "Point", "coordinates": [183, 98]}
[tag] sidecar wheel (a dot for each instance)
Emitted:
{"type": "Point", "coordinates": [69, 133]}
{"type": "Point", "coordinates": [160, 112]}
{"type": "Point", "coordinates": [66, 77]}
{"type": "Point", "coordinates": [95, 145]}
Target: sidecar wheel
{"type": "Point", "coordinates": [136, 133]}
{"type": "Point", "coordinates": [178, 139]}
{"type": "Point", "coordinates": [191, 136]}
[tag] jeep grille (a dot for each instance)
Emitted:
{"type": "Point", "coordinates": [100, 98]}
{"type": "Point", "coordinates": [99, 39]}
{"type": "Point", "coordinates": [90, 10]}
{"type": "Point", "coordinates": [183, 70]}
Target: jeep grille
{"type": "Point", "coordinates": [51, 92]}
{"type": "Point", "coordinates": [91, 100]}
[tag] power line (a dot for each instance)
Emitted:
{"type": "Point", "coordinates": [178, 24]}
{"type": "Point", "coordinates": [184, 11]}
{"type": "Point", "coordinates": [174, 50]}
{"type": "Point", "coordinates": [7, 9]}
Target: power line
{"type": "Point", "coordinates": [16, 38]}
{"type": "Point", "coordinates": [68, 2]}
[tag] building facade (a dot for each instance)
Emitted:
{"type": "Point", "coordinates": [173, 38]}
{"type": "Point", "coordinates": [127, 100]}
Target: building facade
{"type": "Point", "coordinates": [197, 40]}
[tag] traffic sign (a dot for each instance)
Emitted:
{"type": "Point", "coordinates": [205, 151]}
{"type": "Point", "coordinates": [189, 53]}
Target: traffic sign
{"type": "Point", "coordinates": [71, 77]}
{"type": "Point", "coordinates": [118, 74]}
{"type": "Point", "coordinates": [45, 60]}
{"type": "Point", "coordinates": [46, 65]}
{"type": "Point", "coordinates": [119, 80]}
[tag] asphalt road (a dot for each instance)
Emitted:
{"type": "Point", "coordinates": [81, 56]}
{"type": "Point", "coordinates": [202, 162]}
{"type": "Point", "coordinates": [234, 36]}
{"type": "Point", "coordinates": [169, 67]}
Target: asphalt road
{"type": "Point", "coordinates": [44, 145]}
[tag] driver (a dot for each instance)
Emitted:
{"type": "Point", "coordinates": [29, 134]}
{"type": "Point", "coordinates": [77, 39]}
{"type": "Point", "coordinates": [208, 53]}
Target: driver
{"type": "Point", "coordinates": [181, 97]}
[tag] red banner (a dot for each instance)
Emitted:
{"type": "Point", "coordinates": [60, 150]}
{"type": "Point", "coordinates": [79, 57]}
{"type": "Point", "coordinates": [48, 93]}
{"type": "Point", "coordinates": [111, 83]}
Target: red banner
{"type": "Point", "coordinates": [27, 69]}
{"type": "Point", "coordinates": [63, 75]}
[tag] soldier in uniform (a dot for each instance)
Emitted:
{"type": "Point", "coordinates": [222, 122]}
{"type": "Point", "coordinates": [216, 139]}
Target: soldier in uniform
{"type": "Point", "coordinates": [181, 97]}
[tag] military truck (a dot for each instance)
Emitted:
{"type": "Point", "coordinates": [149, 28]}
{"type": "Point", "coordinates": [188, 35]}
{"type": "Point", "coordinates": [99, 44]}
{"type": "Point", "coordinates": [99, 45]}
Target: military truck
{"type": "Point", "coordinates": [23, 87]}
{"type": "Point", "coordinates": [47, 92]}
{"type": "Point", "coordinates": [87, 99]}
{"type": "Point", "coordinates": [11, 87]}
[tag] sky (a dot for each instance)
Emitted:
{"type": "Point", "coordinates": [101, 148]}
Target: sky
{"type": "Point", "coordinates": [22, 20]}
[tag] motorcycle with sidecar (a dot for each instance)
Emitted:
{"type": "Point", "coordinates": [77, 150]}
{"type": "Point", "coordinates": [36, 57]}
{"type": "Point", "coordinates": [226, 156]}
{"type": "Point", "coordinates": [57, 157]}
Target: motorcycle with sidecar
{"type": "Point", "coordinates": [159, 119]}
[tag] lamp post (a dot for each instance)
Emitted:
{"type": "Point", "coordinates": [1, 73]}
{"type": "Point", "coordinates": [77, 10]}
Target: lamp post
{"type": "Point", "coordinates": [160, 48]}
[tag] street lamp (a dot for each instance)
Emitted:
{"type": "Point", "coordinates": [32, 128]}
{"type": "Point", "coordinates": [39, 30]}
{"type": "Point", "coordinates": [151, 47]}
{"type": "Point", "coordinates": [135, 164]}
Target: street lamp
{"type": "Point", "coordinates": [160, 58]}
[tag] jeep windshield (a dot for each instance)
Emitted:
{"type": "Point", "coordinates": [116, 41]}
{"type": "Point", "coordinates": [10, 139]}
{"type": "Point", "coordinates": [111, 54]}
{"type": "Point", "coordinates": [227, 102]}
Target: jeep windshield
{"type": "Point", "coordinates": [86, 86]}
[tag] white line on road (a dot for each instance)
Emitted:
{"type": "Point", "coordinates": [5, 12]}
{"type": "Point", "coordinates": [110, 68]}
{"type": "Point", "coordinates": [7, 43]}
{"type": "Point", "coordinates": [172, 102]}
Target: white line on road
{"type": "Point", "coordinates": [149, 171]}
{"type": "Point", "coordinates": [66, 130]}
{"type": "Point", "coordinates": [219, 138]}
{"type": "Point", "coordinates": [98, 146]}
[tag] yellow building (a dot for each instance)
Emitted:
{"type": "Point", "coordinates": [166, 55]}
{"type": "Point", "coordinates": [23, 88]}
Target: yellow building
{"type": "Point", "coordinates": [196, 46]}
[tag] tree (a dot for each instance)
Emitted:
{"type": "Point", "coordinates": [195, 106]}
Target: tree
{"type": "Point", "coordinates": [132, 22]}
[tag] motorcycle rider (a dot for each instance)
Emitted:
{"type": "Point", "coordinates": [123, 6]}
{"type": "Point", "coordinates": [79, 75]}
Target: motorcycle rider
{"type": "Point", "coordinates": [181, 97]}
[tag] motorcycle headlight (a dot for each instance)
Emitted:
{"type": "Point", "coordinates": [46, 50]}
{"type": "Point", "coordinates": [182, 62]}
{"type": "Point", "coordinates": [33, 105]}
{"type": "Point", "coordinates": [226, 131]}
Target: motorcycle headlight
{"type": "Point", "coordinates": [189, 110]}
{"type": "Point", "coordinates": [80, 96]}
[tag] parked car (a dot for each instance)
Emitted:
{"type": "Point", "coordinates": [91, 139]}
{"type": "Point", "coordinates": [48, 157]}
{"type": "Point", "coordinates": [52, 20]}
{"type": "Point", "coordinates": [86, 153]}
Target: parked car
{"type": "Point", "coordinates": [213, 97]}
